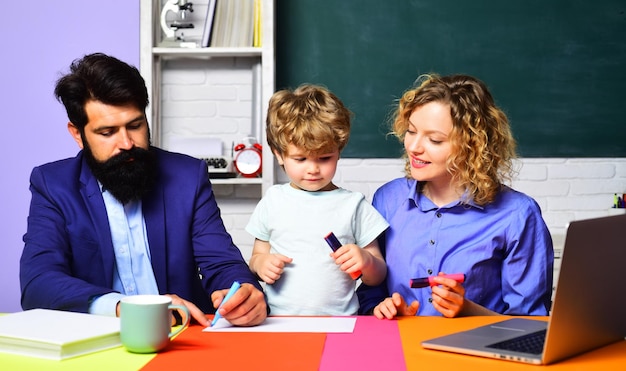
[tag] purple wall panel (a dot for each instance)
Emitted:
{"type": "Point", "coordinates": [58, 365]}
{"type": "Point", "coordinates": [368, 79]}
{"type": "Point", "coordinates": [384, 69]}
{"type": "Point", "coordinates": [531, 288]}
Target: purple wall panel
{"type": "Point", "coordinates": [38, 44]}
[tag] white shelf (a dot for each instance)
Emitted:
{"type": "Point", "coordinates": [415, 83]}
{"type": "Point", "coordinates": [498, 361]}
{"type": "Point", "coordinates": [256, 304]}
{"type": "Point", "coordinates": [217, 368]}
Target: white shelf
{"type": "Point", "coordinates": [206, 52]}
{"type": "Point", "coordinates": [156, 60]}
{"type": "Point", "coordinates": [237, 181]}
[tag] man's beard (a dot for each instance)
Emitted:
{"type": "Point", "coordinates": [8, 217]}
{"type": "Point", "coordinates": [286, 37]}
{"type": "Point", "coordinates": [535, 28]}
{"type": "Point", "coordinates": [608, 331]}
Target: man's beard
{"type": "Point", "coordinates": [128, 175]}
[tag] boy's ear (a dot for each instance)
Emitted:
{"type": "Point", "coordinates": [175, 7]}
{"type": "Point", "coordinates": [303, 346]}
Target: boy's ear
{"type": "Point", "coordinates": [279, 158]}
{"type": "Point", "coordinates": [75, 133]}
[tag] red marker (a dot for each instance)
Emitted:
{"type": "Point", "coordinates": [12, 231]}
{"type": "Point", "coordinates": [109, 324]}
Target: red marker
{"type": "Point", "coordinates": [418, 283]}
{"type": "Point", "coordinates": [334, 244]}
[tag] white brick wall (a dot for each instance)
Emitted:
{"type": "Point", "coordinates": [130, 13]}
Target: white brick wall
{"type": "Point", "coordinates": [566, 190]}
{"type": "Point", "coordinates": [212, 97]}
{"type": "Point", "coordinates": [207, 97]}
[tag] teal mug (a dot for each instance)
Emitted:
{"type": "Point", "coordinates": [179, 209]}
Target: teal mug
{"type": "Point", "coordinates": [146, 322]}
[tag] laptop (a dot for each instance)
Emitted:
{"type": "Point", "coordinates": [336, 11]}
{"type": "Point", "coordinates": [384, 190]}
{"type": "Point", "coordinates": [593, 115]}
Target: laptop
{"type": "Point", "coordinates": [588, 311]}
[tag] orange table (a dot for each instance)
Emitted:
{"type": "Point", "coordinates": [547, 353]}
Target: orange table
{"type": "Point", "coordinates": [415, 329]}
{"type": "Point", "coordinates": [374, 345]}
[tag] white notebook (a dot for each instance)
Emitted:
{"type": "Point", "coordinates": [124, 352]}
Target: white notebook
{"type": "Point", "coordinates": [57, 334]}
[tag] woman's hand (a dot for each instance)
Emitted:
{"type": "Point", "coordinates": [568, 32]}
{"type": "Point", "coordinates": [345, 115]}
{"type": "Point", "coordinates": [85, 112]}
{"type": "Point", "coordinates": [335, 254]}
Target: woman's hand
{"type": "Point", "coordinates": [395, 306]}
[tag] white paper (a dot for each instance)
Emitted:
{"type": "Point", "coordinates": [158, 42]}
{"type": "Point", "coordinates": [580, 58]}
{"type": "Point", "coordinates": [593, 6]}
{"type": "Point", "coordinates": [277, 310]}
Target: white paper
{"type": "Point", "coordinates": [194, 146]}
{"type": "Point", "coordinates": [291, 324]}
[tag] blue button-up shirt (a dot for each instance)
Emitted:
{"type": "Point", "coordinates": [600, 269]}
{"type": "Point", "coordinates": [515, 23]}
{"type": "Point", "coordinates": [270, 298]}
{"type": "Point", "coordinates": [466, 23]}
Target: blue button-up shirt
{"type": "Point", "coordinates": [133, 273]}
{"type": "Point", "coordinates": [504, 248]}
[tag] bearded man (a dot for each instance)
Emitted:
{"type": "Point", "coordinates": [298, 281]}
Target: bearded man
{"type": "Point", "coordinates": [124, 217]}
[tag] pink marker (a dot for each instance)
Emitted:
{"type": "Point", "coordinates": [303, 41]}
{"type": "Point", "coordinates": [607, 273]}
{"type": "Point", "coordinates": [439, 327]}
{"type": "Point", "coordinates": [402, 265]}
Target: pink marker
{"type": "Point", "coordinates": [418, 283]}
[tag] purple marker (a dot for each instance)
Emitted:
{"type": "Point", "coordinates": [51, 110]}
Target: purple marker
{"type": "Point", "coordinates": [334, 244]}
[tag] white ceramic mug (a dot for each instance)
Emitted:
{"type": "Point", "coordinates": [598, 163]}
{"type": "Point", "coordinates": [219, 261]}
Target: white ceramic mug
{"type": "Point", "coordinates": [145, 322]}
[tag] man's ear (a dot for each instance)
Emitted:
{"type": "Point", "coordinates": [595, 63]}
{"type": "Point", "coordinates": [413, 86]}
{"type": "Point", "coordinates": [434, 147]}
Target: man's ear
{"type": "Point", "coordinates": [75, 133]}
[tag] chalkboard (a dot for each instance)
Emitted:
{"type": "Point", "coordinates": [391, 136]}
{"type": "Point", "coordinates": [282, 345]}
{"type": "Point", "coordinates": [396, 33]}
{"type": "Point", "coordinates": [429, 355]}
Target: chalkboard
{"type": "Point", "coordinates": [556, 67]}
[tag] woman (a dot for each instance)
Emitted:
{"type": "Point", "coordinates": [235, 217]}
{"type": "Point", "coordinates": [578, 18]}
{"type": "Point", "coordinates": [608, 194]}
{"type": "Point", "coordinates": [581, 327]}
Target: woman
{"type": "Point", "coordinates": [452, 213]}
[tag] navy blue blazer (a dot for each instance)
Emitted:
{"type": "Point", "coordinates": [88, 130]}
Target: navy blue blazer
{"type": "Point", "coordinates": [68, 256]}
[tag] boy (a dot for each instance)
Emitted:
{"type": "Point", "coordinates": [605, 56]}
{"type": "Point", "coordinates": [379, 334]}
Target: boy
{"type": "Point", "coordinates": [306, 131]}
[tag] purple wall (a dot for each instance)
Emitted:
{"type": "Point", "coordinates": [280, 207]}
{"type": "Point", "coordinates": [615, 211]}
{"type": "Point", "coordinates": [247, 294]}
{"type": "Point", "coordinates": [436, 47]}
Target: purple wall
{"type": "Point", "coordinates": [39, 42]}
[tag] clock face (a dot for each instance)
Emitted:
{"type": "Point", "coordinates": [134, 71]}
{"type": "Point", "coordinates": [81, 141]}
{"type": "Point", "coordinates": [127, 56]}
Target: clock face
{"type": "Point", "coordinates": [248, 162]}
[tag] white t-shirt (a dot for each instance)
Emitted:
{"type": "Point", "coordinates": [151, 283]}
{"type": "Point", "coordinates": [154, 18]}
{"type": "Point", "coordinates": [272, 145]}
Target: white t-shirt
{"type": "Point", "coordinates": [295, 223]}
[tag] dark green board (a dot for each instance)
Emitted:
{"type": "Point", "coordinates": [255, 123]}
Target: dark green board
{"type": "Point", "coordinates": [557, 68]}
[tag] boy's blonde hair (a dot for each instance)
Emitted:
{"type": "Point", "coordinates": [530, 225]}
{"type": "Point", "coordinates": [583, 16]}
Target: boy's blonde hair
{"type": "Point", "coordinates": [310, 117]}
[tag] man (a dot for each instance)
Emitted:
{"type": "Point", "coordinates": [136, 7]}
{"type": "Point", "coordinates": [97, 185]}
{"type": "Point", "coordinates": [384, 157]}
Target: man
{"type": "Point", "coordinates": [124, 217]}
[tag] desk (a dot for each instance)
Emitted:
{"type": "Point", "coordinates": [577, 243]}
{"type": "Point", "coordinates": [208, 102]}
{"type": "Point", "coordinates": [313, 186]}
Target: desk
{"type": "Point", "coordinates": [374, 345]}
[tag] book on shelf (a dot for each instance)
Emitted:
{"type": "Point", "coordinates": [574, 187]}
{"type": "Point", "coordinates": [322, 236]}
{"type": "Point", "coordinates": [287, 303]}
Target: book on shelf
{"type": "Point", "coordinates": [234, 23]}
{"type": "Point", "coordinates": [256, 36]}
{"type": "Point", "coordinates": [55, 334]}
{"type": "Point", "coordinates": [208, 24]}
{"type": "Point", "coordinates": [218, 20]}
{"type": "Point", "coordinates": [245, 28]}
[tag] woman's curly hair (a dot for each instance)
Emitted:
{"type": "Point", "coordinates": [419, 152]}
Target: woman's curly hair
{"type": "Point", "coordinates": [482, 145]}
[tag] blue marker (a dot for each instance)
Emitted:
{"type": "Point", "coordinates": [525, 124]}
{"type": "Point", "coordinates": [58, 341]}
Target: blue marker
{"type": "Point", "coordinates": [231, 292]}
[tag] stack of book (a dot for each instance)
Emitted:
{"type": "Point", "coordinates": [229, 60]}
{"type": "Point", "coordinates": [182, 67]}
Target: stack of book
{"type": "Point", "coordinates": [232, 23]}
{"type": "Point", "coordinates": [54, 334]}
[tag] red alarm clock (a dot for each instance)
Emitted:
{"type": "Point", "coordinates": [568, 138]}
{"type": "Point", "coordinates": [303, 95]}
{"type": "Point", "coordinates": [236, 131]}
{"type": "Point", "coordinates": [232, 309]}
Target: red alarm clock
{"type": "Point", "coordinates": [248, 161]}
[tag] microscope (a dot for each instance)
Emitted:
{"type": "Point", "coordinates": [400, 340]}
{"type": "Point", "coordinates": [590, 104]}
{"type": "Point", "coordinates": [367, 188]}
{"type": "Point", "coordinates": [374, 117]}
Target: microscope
{"type": "Point", "coordinates": [171, 39]}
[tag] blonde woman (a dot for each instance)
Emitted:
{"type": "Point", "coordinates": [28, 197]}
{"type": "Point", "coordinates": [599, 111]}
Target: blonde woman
{"type": "Point", "coordinates": [453, 213]}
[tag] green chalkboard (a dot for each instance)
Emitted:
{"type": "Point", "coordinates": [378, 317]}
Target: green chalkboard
{"type": "Point", "coordinates": [556, 67]}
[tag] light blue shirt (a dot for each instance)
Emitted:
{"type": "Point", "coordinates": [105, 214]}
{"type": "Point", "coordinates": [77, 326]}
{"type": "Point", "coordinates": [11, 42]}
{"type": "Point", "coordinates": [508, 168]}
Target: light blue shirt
{"type": "Point", "coordinates": [133, 274]}
{"type": "Point", "coordinates": [504, 248]}
{"type": "Point", "coordinates": [295, 222]}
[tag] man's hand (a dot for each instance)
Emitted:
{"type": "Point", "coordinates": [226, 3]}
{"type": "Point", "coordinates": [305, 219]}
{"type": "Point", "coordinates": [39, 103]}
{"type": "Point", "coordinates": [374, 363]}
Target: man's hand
{"type": "Point", "coordinates": [247, 307]}
{"type": "Point", "coordinates": [194, 311]}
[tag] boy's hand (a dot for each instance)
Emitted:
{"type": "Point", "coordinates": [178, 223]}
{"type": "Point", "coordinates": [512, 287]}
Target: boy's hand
{"type": "Point", "coordinates": [269, 267]}
{"type": "Point", "coordinates": [349, 257]}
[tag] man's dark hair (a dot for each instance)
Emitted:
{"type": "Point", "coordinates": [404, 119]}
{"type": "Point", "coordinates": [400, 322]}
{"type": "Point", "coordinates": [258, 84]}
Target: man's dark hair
{"type": "Point", "coordinates": [103, 78]}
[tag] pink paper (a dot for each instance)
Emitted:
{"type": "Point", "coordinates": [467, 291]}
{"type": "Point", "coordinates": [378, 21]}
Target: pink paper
{"type": "Point", "coordinates": [374, 345]}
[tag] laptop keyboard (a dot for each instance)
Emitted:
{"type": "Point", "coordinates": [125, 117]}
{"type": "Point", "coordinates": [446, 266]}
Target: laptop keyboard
{"type": "Point", "coordinates": [531, 343]}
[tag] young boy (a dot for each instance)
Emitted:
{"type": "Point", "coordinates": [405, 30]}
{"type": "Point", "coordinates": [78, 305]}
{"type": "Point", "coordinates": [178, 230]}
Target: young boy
{"type": "Point", "coordinates": [306, 130]}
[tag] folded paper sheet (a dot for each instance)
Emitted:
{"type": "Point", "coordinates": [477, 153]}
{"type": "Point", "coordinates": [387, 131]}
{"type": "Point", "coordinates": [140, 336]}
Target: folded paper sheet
{"type": "Point", "coordinates": [292, 324]}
